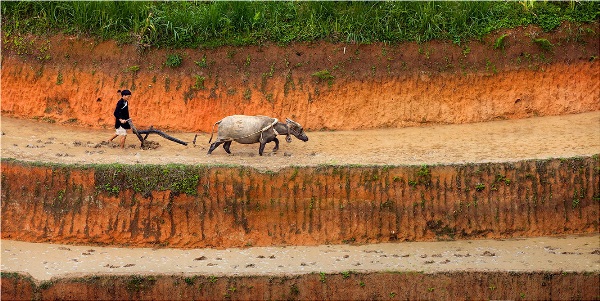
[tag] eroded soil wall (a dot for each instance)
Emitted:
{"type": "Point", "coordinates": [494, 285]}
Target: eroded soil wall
{"type": "Point", "coordinates": [344, 286]}
{"type": "Point", "coordinates": [74, 80]}
{"type": "Point", "coordinates": [219, 206]}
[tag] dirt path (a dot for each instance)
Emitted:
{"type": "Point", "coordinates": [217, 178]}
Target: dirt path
{"type": "Point", "coordinates": [510, 140]}
{"type": "Point", "coordinates": [562, 254]}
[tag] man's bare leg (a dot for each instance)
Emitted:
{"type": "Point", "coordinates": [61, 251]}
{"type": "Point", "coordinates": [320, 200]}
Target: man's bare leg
{"type": "Point", "coordinates": [123, 141]}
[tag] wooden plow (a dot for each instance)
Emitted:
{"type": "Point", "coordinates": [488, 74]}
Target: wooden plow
{"type": "Point", "coordinates": [152, 130]}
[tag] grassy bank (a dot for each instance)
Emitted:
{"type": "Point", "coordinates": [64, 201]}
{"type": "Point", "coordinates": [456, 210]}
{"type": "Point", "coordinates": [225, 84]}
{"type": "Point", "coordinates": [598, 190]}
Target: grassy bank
{"type": "Point", "coordinates": [191, 24]}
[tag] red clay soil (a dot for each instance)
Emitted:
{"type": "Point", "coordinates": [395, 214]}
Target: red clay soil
{"type": "Point", "coordinates": [341, 286]}
{"type": "Point", "coordinates": [74, 80]}
{"type": "Point", "coordinates": [238, 207]}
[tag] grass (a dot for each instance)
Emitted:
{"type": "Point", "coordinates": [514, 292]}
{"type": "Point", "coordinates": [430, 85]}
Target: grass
{"type": "Point", "coordinates": [114, 178]}
{"type": "Point", "coordinates": [190, 24]}
{"type": "Point", "coordinates": [500, 42]}
{"type": "Point", "coordinates": [174, 60]}
{"type": "Point", "coordinates": [199, 84]}
{"type": "Point", "coordinates": [324, 75]}
{"type": "Point", "coordinates": [322, 277]}
{"type": "Point", "coordinates": [544, 44]}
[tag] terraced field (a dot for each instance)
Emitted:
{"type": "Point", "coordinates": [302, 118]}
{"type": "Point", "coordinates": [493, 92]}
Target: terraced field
{"type": "Point", "coordinates": [425, 181]}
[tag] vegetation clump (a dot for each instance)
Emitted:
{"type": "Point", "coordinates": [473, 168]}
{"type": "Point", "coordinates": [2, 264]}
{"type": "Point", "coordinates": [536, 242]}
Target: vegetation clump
{"type": "Point", "coordinates": [191, 24]}
{"type": "Point", "coordinates": [324, 75]}
{"type": "Point", "coordinates": [544, 44]}
{"type": "Point", "coordinates": [174, 60]}
{"type": "Point", "coordinates": [147, 178]}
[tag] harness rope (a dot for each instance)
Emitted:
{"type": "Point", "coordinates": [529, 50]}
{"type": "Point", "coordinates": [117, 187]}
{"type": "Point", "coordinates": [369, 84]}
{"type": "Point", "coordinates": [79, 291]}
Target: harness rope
{"type": "Point", "coordinates": [261, 131]}
{"type": "Point", "coordinates": [272, 125]}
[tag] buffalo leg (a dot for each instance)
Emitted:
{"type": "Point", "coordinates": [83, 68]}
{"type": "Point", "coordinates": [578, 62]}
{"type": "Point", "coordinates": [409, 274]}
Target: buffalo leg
{"type": "Point", "coordinates": [261, 148]}
{"type": "Point", "coordinates": [226, 146]}
{"type": "Point", "coordinates": [213, 146]}
{"type": "Point", "coordinates": [276, 148]}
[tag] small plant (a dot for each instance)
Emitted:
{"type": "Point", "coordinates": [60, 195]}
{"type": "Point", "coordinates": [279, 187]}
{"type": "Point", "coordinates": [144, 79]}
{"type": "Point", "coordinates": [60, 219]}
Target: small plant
{"type": "Point", "coordinates": [199, 85]}
{"type": "Point", "coordinates": [322, 277]}
{"type": "Point", "coordinates": [500, 42]}
{"type": "Point", "coordinates": [61, 195]}
{"type": "Point", "coordinates": [59, 78]}
{"type": "Point", "coordinates": [270, 73]}
{"type": "Point", "coordinates": [361, 284]}
{"type": "Point", "coordinates": [212, 279]}
{"type": "Point", "coordinates": [480, 187]}
{"type": "Point", "coordinates": [294, 291]}
{"type": "Point", "coordinates": [269, 97]}
{"type": "Point", "coordinates": [423, 175]}
{"type": "Point", "coordinates": [502, 178]}
{"type": "Point", "coordinates": [230, 54]}
{"type": "Point", "coordinates": [201, 63]}
{"type": "Point", "coordinates": [346, 274]}
{"type": "Point", "coordinates": [134, 69]}
{"type": "Point", "coordinates": [544, 44]}
{"type": "Point", "coordinates": [489, 66]}
{"type": "Point", "coordinates": [466, 50]}
{"type": "Point", "coordinates": [349, 241]}
{"type": "Point", "coordinates": [137, 283]}
{"type": "Point", "coordinates": [247, 94]}
{"type": "Point", "coordinates": [174, 60]}
{"type": "Point", "coordinates": [392, 294]}
{"type": "Point", "coordinates": [49, 120]}
{"type": "Point", "coordinates": [424, 171]}
{"type": "Point", "coordinates": [324, 75]}
{"type": "Point", "coordinates": [46, 285]}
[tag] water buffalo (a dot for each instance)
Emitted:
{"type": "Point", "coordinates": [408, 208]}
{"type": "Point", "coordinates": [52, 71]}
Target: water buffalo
{"type": "Point", "coordinates": [254, 129]}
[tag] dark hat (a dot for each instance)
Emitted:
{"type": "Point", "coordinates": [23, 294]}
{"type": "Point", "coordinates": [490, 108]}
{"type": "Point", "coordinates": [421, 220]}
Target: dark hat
{"type": "Point", "coordinates": [125, 92]}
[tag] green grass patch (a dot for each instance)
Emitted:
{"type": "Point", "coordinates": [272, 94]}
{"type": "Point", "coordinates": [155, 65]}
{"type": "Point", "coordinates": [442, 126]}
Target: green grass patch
{"type": "Point", "coordinates": [324, 75]}
{"type": "Point", "coordinates": [544, 44]}
{"type": "Point", "coordinates": [174, 60]}
{"type": "Point", "coordinates": [191, 24]}
{"type": "Point", "coordinates": [147, 178]}
{"type": "Point", "coordinates": [500, 42]}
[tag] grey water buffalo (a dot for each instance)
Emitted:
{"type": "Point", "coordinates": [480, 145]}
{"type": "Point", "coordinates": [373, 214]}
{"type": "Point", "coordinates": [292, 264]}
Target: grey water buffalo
{"type": "Point", "coordinates": [254, 129]}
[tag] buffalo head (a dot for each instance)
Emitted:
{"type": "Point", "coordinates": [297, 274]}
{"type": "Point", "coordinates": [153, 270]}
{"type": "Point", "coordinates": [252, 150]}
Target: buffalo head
{"type": "Point", "coordinates": [296, 130]}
